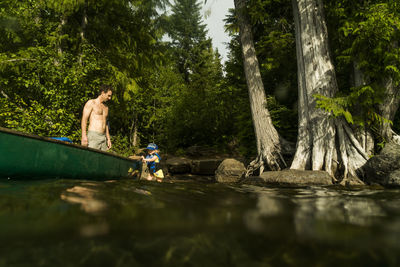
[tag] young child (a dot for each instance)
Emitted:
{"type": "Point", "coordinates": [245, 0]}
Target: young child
{"type": "Point", "coordinates": [153, 159]}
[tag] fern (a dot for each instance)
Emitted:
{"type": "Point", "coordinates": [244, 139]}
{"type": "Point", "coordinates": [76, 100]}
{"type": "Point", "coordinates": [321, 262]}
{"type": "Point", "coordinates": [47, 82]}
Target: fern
{"type": "Point", "coordinates": [362, 97]}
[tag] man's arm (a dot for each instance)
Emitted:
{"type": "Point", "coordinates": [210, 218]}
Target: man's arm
{"type": "Point", "coordinates": [85, 116]}
{"type": "Point", "coordinates": [108, 135]}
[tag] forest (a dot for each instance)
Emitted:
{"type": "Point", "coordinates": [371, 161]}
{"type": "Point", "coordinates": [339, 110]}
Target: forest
{"type": "Point", "coordinates": [308, 84]}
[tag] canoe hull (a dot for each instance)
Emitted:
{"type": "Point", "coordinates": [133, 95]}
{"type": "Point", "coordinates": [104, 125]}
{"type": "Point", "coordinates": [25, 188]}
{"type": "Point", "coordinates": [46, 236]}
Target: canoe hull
{"type": "Point", "coordinates": [29, 156]}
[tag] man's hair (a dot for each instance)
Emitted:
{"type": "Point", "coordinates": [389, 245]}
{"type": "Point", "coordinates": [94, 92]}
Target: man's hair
{"type": "Point", "coordinates": [105, 88]}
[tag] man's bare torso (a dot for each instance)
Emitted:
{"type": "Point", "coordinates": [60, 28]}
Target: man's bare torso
{"type": "Point", "coordinates": [98, 117]}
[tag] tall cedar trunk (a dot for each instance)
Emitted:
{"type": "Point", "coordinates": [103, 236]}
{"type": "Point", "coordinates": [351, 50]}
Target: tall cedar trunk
{"type": "Point", "coordinates": [322, 141]}
{"type": "Point", "coordinates": [268, 144]}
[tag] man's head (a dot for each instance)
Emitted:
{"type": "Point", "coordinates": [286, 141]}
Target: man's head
{"type": "Point", "coordinates": [105, 92]}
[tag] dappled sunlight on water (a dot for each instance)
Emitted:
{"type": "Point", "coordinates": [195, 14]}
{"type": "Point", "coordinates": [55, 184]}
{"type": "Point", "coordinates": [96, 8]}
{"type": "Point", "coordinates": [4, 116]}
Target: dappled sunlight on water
{"type": "Point", "coordinates": [134, 223]}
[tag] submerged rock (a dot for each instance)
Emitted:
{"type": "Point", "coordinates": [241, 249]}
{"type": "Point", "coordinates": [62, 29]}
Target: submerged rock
{"type": "Point", "coordinates": [384, 168]}
{"type": "Point", "coordinates": [291, 178]}
{"type": "Point", "coordinates": [176, 165]}
{"type": "Point", "coordinates": [205, 166]}
{"type": "Point", "coordinates": [229, 171]}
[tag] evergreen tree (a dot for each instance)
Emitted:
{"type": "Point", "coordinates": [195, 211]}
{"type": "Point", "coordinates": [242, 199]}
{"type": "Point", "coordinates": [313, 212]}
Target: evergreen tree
{"type": "Point", "coordinates": [196, 114]}
{"type": "Point", "coordinates": [188, 34]}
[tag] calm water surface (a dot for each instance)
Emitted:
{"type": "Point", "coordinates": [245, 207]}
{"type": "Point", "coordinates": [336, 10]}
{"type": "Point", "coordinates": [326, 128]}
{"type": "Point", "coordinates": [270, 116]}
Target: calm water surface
{"type": "Point", "coordinates": [137, 223]}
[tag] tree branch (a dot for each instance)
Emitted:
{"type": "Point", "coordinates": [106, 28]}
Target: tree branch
{"type": "Point", "coordinates": [17, 59]}
{"type": "Point", "coordinates": [4, 94]}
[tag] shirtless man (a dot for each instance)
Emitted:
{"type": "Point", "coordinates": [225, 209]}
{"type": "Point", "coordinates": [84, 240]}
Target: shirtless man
{"type": "Point", "coordinates": [96, 111]}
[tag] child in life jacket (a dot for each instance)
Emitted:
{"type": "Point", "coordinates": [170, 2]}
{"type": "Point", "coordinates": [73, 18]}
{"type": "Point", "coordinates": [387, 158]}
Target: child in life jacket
{"type": "Point", "coordinates": [153, 163]}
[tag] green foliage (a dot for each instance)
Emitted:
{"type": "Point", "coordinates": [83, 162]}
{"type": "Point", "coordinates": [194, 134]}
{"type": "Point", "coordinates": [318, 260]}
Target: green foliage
{"type": "Point", "coordinates": [55, 54]}
{"type": "Point", "coordinates": [50, 65]}
{"type": "Point", "coordinates": [283, 119]}
{"type": "Point", "coordinates": [121, 145]}
{"type": "Point", "coordinates": [364, 35]}
{"type": "Point", "coordinates": [363, 98]}
{"type": "Point", "coordinates": [273, 31]}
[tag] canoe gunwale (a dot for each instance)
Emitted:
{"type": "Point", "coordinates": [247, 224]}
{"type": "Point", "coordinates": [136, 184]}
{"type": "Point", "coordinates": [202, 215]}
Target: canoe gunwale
{"type": "Point", "coordinates": [51, 140]}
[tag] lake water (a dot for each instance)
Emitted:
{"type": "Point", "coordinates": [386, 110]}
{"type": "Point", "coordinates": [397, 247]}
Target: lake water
{"type": "Point", "coordinates": [140, 223]}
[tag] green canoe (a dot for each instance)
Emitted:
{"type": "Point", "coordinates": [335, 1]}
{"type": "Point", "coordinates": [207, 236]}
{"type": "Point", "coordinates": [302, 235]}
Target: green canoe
{"type": "Point", "coordinates": [29, 156]}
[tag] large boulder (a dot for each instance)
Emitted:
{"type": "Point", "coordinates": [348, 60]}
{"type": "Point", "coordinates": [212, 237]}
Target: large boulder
{"type": "Point", "coordinates": [229, 171]}
{"type": "Point", "coordinates": [384, 169]}
{"type": "Point", "coordinates": [291, 178]}
{"type": "Point", "coordinates": [205, 166]}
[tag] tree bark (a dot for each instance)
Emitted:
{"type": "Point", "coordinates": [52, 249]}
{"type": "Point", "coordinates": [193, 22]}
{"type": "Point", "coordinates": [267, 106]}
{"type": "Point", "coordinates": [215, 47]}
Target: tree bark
{"type": "Point", "coordinates": [135, 135]}
{"type": "Point", "coordinates": [388, 109]}
{"type": "Point", "coordinates": [133, 132]}
{"type": "Point", "coordinates": [323, 141]}
{"type": "Point", "coordinates": [83, 31]}
{"type": "Point", "coordinates": [389, 106]}
{"type": "Point", "coordinates": [60, 32]}
{"type": "Point", "coordinates": [4, 94]}
{"type": "Point", "coordinates": [268, 144]}
{"type": "Point", "coordinates": [363, 134]}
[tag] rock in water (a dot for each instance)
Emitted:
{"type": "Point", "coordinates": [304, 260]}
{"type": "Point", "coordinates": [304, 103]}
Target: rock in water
{"type": "Point", "coordinates": [384, 168]}
{"type": "Point", "coordinates": [229, 171]}
{"type": "Point", "coordinates": [291, 178]}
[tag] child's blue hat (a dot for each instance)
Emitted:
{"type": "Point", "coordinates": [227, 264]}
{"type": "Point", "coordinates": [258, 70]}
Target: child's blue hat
{"type": "Point", "coordinates": [152, 146]}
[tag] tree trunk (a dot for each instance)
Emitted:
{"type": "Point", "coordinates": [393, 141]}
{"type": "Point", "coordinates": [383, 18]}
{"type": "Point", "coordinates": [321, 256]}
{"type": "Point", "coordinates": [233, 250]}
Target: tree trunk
{"type": "Point", "coordinates": [83, 30]}
{"type": "Point", "coordinates": [135, 135]}
{"type": "Point", "coordinates": [323, 141]}
{"type": "Point", "coordinates": [268, 144]}
{"type": "Point", "coordinates": [4, 94]}
{"type": "Point", "coordinates": [60, 32]}
{"type": "Point", "coordinates": [389, 106]}
{"type": "Point", "coordinates": [133, 132]}
{"type": "Point", "coordinates": [363, 134]}
{"type": "Point", "coordinates": [388, 109]}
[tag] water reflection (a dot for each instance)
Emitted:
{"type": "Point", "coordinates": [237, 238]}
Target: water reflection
{"type": "Point", "coordinates": [139, 223]}
{"type": "Point", "coordinates": [336, 206]}
{"type": "Point", "coordinates": [315, 211]}
{"type": "Point", "coordinates": [85, 195]}
{"type": "Point", "coordinates": [266, 206]}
